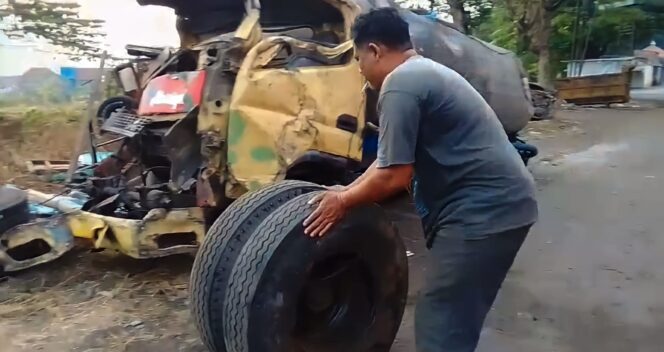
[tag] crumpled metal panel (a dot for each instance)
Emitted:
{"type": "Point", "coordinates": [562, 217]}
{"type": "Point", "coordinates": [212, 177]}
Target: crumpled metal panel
{"type": "Point", "coordinates": [276, 115]}
{"type": "Point", "coordinates": [141, 238]}
{"type": "Point", "coordinates": [53, 233]}
{"type": "Point", "coordinates": [161, 233]}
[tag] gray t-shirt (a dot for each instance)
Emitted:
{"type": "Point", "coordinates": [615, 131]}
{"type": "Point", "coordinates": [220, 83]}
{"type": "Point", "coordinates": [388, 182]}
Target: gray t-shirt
{"type": "Point", "coordinates": [469, 179]}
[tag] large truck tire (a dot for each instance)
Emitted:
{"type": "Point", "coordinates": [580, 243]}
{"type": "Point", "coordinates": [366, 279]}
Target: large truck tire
{"type": "Point", "coordinates": [220, 249]}
{"type": "Point", "coordinates": [344, 292]}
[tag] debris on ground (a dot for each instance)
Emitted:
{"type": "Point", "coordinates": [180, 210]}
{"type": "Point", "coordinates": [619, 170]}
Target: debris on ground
{"type": "Point", "coordinates": [544, 101]}
{"type": "Point", "coordinates": [105, 301]}
{"type": "Point", "coordinates": [551, 129]}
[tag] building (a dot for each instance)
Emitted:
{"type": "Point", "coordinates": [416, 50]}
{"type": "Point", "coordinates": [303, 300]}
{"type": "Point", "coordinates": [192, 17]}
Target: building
{"type": "Point", "coordinates": [643, 4]}
{"type": "Point", "coordinates": [647, 64]}
{"type": "Point", "coordinates": [655, 56]}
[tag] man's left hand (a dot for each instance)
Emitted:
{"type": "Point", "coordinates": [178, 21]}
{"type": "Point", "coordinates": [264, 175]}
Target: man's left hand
{"type": "Point", "coordinates": [331, 209]}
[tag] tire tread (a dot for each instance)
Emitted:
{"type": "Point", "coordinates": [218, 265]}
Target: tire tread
{"type": "Point", "coordinates": [250, 266]}
{"type": "Point", "coordinates": [214, 247]}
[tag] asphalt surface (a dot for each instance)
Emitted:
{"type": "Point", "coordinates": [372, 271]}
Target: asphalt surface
{"type": "Point", "coordinates": [651, 95]}
{"type": "Point", "coordinates": [590, 276]}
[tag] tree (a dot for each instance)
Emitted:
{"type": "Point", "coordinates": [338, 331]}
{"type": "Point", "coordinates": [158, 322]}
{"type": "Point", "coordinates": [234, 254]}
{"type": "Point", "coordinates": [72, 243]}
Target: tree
{"type": "Point", "coordinates": [533, 20]}
{"type": "Point", "coordinates": [460, 14]}
{"type": "Point", "coordinates": [467, 15]}
{"type": "Point", "coordinates": [57, 22]}
{"type": "Point", "coordinates": [479, 12]}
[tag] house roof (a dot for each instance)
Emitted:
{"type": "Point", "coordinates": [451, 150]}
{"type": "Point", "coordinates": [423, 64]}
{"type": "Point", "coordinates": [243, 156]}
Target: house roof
{"type": "Point", "coordinates": [9, 81]}
{"type": "Point", "coordinates": [606, 59]}
{"type": "Point", "coordinates": [38, 73]}
{"type": "Point", "coordinates": [653, 48]}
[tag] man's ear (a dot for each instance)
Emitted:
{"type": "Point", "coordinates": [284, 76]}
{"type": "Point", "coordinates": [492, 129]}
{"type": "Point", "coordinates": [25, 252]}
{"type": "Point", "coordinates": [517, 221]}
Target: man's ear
{"type": "Point", "coordinates": [375, 49]}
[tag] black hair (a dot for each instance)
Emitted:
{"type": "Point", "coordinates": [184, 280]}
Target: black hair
{"type": "Point", "coordinates": [382, 26]}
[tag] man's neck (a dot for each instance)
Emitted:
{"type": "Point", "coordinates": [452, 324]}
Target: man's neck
{"type": "Point", "coordinates": [402, 57]}
{"type": "Point", "coordinates": [396, 60]}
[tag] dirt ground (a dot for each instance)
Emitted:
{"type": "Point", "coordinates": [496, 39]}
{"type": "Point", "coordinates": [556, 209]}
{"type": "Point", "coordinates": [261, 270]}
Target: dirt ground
{"type": "Point", "coordinates": [587, 278]}
{"type": "Point", "coordinates": [28, 133]}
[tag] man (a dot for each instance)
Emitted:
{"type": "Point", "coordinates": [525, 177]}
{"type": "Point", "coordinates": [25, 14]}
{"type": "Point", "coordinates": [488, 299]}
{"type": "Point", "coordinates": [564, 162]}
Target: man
{"type": "Point", "coordinates": [474, 194]}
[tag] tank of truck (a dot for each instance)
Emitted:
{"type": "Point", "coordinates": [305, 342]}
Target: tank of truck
{"type": "Point", "coordinates": [495, 72]}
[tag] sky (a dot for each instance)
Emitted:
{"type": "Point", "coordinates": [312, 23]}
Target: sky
{"type": "Point", "coordinates": [125, 23]}
{"type": "Point", "coordinates": [129, 23]}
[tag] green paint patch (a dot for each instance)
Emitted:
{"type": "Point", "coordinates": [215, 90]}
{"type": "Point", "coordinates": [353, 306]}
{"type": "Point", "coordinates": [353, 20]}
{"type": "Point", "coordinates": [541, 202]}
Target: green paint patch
{"type": "Point", "coordinates": [188, 102]}
{"type": "Point", "coordinates": [263, 154]}
{"type": "Point", "coordinates": [232, 157]}
{"type": "Point", "coordinates": [236, 127]}
{"type": "Point", "coordinates": [254, 186]}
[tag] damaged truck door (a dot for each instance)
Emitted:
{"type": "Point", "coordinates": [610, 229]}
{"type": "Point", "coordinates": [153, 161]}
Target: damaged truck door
{"type": "Point", "coordinates": [293, 97]}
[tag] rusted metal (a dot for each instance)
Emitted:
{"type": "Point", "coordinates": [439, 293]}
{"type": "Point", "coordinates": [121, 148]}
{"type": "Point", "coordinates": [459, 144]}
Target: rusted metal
{"type": "Point", "coordinates": [545, 102]}
{"type": "Point", "coordinates": [34, 243]}
{"type": "Point", "coordinates": [160, 233]}
{"type": "Point", "coordinates": [599, 89]}
{"type": "Point", "coordinates": [24, 242]}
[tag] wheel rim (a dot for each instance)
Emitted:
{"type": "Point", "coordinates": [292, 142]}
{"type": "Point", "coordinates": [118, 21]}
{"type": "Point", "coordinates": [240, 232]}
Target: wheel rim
{"type": "Point", "coordinates": [336, 307]}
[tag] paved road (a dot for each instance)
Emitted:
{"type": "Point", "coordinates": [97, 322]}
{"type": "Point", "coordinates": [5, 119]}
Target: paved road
{"type": "Point", "coordinates": [655, 94]}
{"type": "Point", "coordinates": [590, 276]}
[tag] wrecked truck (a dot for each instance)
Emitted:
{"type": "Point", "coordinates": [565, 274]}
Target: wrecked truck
{"type": "Point", "coordinates": [257, 92]}
{"type": "Point", "coordinates": [224, 141]}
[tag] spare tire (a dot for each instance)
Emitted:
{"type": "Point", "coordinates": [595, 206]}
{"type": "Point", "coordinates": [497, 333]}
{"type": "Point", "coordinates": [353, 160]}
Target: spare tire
{"type": "Point", "coordinates": [111, 105]}
{"type": "Point", "coordinates": [344, 292]}
{"type": "Point", "coordinates": [220, 249]}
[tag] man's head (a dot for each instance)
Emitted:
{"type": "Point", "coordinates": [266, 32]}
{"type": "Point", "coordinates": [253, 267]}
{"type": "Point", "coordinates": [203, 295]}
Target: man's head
{"type": "Point", "coordinates": [382, 43]}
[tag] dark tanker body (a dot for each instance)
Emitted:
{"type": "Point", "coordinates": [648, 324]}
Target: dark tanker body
{"type": "Point", "coordinates": [495, 72]}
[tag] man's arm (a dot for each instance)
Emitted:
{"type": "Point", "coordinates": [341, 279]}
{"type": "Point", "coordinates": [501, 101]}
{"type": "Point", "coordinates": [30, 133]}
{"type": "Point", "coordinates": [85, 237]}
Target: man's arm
{"type": "Point", "coordinates": [391, 173]}
{"type": "Point", "coordinates": [367, 173]}
{"type": "Point", "coordinates": [378, 185]}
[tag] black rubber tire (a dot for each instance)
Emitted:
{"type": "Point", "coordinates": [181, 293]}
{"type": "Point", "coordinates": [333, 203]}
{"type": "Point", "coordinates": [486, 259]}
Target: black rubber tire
{"type": "Point", "coordinates": [110, 105]}
{"type": "Point", "coordinates": [264, 294]}
{"type": "Point", "coordinates": [220, 249]}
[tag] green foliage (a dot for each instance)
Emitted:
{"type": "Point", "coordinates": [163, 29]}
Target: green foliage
{"type": "Point", "coordinates": [616, 31]}
{"type": "Point", "coordinates": [479, 11]}
{"type": "Point", "coordinates": [562, 39]}
{"type": "Point", "coordinates": [613, 31]}
{"type": "Point", "coordinates": [499, 30]}
{"type": "Point", "coordinates": [57, 22]}
{"type": "Point", "coordinates": [48, 91]}
{"type": "Point", "coordinates": [36, 117]}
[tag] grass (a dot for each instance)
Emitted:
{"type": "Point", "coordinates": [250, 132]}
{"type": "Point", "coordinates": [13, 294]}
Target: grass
{"type": "Point", "coordinates": [35, 132]}
{"type": "Point", "coordinates": [31, 117]}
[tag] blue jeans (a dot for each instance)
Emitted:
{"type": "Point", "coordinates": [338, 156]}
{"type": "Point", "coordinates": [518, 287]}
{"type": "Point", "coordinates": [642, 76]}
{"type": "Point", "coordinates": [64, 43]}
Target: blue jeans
{"type": "Point", "coordinates": [463, 279]}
